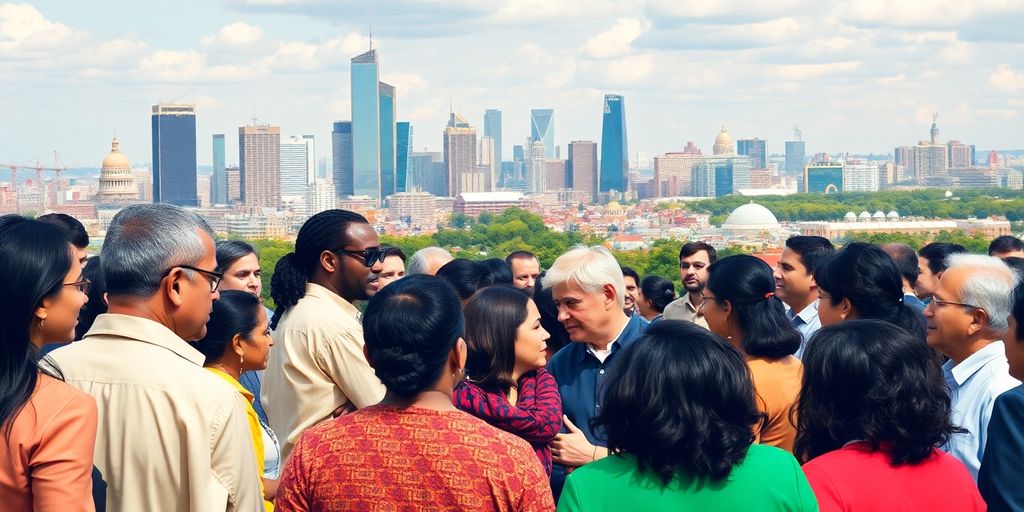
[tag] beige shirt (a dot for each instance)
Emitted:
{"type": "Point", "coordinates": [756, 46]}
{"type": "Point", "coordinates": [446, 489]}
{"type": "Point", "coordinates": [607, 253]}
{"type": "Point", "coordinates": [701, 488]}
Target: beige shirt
{"type": "Point", "coordinates": [172, 436]}
{"type": "Point", "coordinates": [316, 365]}
{"type": "Point", "coordinates": [683, 309]}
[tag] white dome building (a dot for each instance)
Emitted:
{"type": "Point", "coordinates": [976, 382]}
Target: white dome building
{"type": "Point", "coordinates": [724, 145]}
{"type": "Point", "coordinates": [893, 215]}
{"type": "Point", "coordinates": [878, 216]}
{"type": "Point", "coordinates": [864, 216]}
{"type": "Point", "coordinates": [850, 217]}
{"type": "Point", "coordinates": [751, 217]}
{"type": "Point", "coordinates": [117, 181]}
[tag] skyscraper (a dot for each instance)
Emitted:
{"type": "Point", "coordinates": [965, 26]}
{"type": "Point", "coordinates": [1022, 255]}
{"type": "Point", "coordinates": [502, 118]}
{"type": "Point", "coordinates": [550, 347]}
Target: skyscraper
{"type": "Point", "coordinates": [259, 157]}
{"type": "Point", "coordinates": [486, 160]}
{"type": "Point", "coordinates": [581, 169]}
{"type": "Point", "coordinates": [536, 168]}
{"type": "Point", "coordinates": [614, 152]}
{"type": "Point", "coordinates": [756, 150]}
{"type": "Point", "coordinates": [673, 172]}
{"type": "Point", "coordinates": [904, 158]}
{"type": "Point", "coordinates": [492, 129]}
{"type": "Point", "coordinates": [366, 126]}
{"type": "Point", "coordinates": [795, 154]}
{"type": "Point", "coordinates": [860, 176]}
{"type": "Point", "coordinates": [297, 166]}
{"type": "Point", "coordinates": [716, 177]}
{"type": "Point", "coordinates": [174, 154]}
{"type": "Point", "coordinates": [341, 155]}
{"type": "Point", "coordinates": [960, 155]}
{"type": "Point", "coordinates": [542, 128]}
{"type": "Point", "coordinates": [387, 140]}
{"type": "Point", "coordinates": [823, 178]}
{"type": "Point", "coordinates": [403, 148]}
{"type": "Point", "coordinates": [219, 183]}
{"type": "Point", "coordinates": [460, 156]}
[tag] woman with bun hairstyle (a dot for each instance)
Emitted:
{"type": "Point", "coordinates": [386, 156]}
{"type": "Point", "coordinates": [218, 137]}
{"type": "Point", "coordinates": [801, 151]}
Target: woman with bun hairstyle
{"type": "Point", "coordinates": [656, 292]}
{"type": "Point", "coordinates": [414, 450]}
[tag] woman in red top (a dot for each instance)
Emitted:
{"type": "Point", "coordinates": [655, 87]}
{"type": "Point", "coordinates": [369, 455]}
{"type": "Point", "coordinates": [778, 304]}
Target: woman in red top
{"type": "Point", "coordinates": [506, 384]}
{"type": "Point", "coordinates": [414, 450]}
{"type": "Point", "coordinates": [873, 407]}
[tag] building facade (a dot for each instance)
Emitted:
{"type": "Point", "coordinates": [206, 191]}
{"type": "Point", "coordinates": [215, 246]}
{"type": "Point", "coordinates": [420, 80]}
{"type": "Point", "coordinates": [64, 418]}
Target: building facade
{"type": "Point", "coordinates": [259, 158]}
{"type": "Point", "coordinates": [403, 148]}
{"type": "Point", "coordinates": [366, 126]}
{"type": "Point", "coordinates": [298, 166]}
{"type": "Point", "coordinates": [492, 129]}
{"type": "Point", "coordinates": [756, 150]}
{"type": "Point", "coordinates": [795, 155]}
{"type": "Point", "coordinates": [860, 176]}
{"type": "Point", "coordinates": [542, 128]}
{"type": "Point", "coordinates": [581, 169]}
{"type": "Point", "coordinates": [174, 154]}
{"type": "Point", "coordinates": [614, 164]}
{"type": "Point", "coordinates": [219, 182]}
{"type": "Point", "coordinates": [823, 178]}
{"type": "Point", "coordinates": [341, 155]}
{"type": "Point", "coordinates": [460, 156]}
{"type": "Point", "coordinates": [388, 139]}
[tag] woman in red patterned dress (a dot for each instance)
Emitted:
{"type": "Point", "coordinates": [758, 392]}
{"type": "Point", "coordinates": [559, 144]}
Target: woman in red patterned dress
{"type": "Point", "coordinates": [506, 384]}
{"type": "Point", "coordinates": [414, 450]}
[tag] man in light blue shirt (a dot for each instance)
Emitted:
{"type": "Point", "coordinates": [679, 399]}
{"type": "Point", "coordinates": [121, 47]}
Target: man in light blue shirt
{"type": "Point", "coordinates": [966, 320]}
{"type": "Point", "coordinates": [795, 286]}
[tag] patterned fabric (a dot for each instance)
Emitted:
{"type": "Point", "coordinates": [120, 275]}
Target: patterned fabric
{"type": "Point", "coordinates": [536, 417]}
{"type": "Point", "coordinates": [386, 458]}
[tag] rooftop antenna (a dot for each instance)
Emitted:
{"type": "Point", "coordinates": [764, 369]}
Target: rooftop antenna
{"type": "Point", "coordinates": [797, 133]}
{"type": "Point", "coordinates": [254, 113]}
{"type": "Point", "coordinates": [371, 27]}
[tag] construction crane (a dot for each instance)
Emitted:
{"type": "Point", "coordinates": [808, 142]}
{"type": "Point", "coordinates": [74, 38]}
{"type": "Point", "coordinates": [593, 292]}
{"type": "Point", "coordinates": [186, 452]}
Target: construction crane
{"type": "Point", "coordinates": [57, 169]}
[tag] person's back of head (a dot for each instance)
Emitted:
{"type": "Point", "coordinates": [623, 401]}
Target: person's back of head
{"type": "Point", "coordinates": [427, 261]}
{"type": "Point", "coordinates": [1016, 263]}
{"type": "Point", "coordinates": [465, 276]}
{"type": "Point", "coordinates": [905, 259]}
{"type": "Point", "coordinates": [326, 231]}
{"type": "Point", "coordinates": [938, 253]}
{"type": "Point", "coordinates": [411, 327]}
{"type": "Point", "coordinates": [868, 278]}
{"type": "Point", "coordinates": [813, 250]}
{"type": "Point", "coordinates": [500, 272]}
{"type": "Point", "coordinates": [1006, 245]}
{"type": "Point", "coordinates": [747, 284]}
{"type": "Point", "coordinates": [97, 304]}
{"type": "Point", "coordinates": [74, 230]}
{"type": "Point", "coordinates": [659, 291]}
{"type": "Point", "coordinates": [873, 382]}
{"type": "Point", "coordinates": [681, 408]}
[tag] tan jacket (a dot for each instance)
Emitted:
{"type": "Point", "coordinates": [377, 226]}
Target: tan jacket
{"type": "Point", "coordinates": [172, 436]}
{"type": "Point", "coordinates": [683, 309]}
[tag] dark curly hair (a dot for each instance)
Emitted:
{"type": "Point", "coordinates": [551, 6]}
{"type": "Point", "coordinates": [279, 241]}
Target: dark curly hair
{"type": "Point", "coordinates": [871, 381]}
{"type": "Point", "coordinates": [410, 326]}
{"type": "Point", "coordinates": [680, 401]}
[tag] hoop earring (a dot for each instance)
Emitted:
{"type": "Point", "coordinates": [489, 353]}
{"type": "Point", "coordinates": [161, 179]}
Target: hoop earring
{"type": "Point", "coordinates": [241, 361]}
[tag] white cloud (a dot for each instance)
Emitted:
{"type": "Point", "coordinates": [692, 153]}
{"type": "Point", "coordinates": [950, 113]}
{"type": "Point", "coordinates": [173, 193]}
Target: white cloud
{"type": "Point", "coordinates": [807, 71]}
{"type": "Point", "coordinates": [614, 42]}
{"type": "Point", "coordinates": [172, 66]}
{"type": "Point", "coordinates": [925, 13]}
{"type": "Point", "coordinates": [892, 80]}
{"type": "Point", "coordinates": [739, 10]}
{"type": "Point", "coordinates": [405, 82]}
{"type": "Point", "coordinates": [518, 11]}
{"type": "Point", "coordinates": [1005, 78]}
{"type": "Point", "coordinates": [630, 70]}
{"type": "Point", "coordinates": [235, 35]}
{"type": "Point", "coordinates": [726, 36]}
{"type": "Point", "coordinates": [23, 29]}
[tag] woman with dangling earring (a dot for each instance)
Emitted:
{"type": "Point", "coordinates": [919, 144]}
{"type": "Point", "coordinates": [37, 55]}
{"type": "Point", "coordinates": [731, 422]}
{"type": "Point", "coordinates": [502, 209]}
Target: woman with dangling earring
{"type": "Point", "coordinates": [238, 340]}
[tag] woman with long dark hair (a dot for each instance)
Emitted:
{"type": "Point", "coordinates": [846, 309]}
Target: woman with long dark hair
{"type": "Point", "coordinates": [506, 384]}
{"type": "Point", "coordinates": [678, 414]}
{"type": "Point", "coordinates": [873, 410]}
{"type": "Point", "coordinates": [49, 427]}
{"type": "Point", "coordinates": [656, 292]}
{"type": "Point", "coordinates": [238, 340]}
{"type": "Point", "coordinates": [740, 306]}
{"type": "Point", "coordinates": [861, 282]}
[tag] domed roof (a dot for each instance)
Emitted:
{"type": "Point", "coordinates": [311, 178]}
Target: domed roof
{"type": "Point", "coordinates": [850, 216]}
{"type": "Point", "coordinates": [116, 159]}
{"type": "Point", "coordinates": [864, 215]}
{"type": "Point", "coordinates": [723, 144]}
{"type": "Point", "coordinates": [614, 206]}
{"type": "Point", "coordinates": [751, 216]}
{"type": "Point", "coordinates": [723, 137]}
{"type": "Point", "coordinates": [878, 215]}
{"type": "Point", "coordinates": [893, 215]}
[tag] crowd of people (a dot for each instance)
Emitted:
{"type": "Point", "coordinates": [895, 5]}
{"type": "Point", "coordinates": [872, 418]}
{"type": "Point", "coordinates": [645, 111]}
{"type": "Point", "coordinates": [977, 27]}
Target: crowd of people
{"type": "Point", "coordinates": [153, 377]}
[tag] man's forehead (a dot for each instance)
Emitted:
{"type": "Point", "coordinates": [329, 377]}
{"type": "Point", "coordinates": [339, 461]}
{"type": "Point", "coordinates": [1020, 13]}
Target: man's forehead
{"type": "Point", "coordinates": [568, 290]}
{"type": "Point", "coordinates": [697, 257]}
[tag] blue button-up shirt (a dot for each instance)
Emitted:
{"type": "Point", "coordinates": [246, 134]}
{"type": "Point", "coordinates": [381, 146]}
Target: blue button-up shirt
{"type": "Point", "coordinates": [807, 322]}
{"type": "Point", "coordinates": [580, 376]}
{"type": "Point", "coordinates": [974, 385]}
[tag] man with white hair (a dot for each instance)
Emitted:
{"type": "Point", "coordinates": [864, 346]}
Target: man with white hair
{"type": "Point", "coordinates": [967, 319]}
{"type": "Point", "coordinates": [588, 289]}
{"type": "Point", "coordinates": [427, 261]}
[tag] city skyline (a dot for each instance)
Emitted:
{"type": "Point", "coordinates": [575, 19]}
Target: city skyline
{"type": "Point", "coordinates": [860, 81]}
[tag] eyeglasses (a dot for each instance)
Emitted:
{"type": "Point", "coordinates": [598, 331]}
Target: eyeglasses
{"type": "Point", "coordinates": [940, 303]}
{"type": "Point", "coordinates": [82, 285]}
{"type": "Point", "coordinates": [213, 277]}
{"type": "Point", "coordinates": [369, 256]}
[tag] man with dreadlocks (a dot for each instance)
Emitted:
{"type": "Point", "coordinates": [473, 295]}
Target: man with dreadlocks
{"type": "Point", "coordinates": [318, 363]}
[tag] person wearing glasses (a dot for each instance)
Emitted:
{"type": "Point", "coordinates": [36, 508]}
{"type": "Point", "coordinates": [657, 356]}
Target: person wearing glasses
{"type": "Point", "coordinates": [172, 436]}
{"type": "Point", "coordinates": [49, 427]}
{"type": "Point", "coordinates": [318, 369]}
{"type": "Point", "coordinates": [966, 322]}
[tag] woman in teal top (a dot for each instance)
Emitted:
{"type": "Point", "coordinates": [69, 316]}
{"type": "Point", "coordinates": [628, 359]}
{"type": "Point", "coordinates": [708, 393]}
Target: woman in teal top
{"type": "Point", "coordinates": [678, 414]}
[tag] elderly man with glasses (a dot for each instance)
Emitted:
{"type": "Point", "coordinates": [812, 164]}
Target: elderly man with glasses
{"type": "Point", "coordinates": [172, 436]}
{"type": "Point", "coordinates": [966, 322]}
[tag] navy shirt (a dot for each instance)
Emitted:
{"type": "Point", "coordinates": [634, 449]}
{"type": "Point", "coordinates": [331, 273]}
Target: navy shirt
{"type": "Point", "coordinates": [580, 375]}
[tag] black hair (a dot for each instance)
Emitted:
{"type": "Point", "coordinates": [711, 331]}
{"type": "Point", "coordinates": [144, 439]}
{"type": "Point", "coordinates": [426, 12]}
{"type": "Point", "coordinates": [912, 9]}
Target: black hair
{"type": "Point", "coordinates": [659, 291]}
{"type": "Point", "coordinates": [236, 312]}
{"type": "Point", "coordinates": [34, 259]}
{"type": "Point", "coordinates": [690, 248]}
{"type": "Point", "coordinates": [74, 230]}
{"type": "Point", "coordinates": [1017, 309]}
{"type": "Point", "coordinates": [549, 317]}
{"type": "Point", "coordinates": [325, 231]}
{"type": "Point", "coordinates": [866, 276]}
{"type": "Point", "coordinates": [96, 306]}
{"type": "Point", "coordinates": [230, 251]}
{"type": "Point", "coordinates": [747, 283]}
{"type": "Point", "coordinates": [410, 327]}
{"type": "Point", "coordinates": [493, 317]}
{"type": "Point", "coordinates": [905, 259]}
{"type": "Point", "coordinates": [1016, 263]}
{"type": "Point", "coordinates": [813, 250]}
{"type": "Point", "coordinates": [465, 276]}
{"type": "Point", "coordinates": [519, 255]}
{"type": "Point", "coordinates": [938, 253]}
{"type": "Point", "coordinates": [390, 250]}
{"type": "Point", "coordinates": [680, 408]}
{"type": "Point", "coordinates": [499, 271]}
{"type": "Point", "coordinates": [871, 381]}
{"type": "Point", "coordinates": [1005, 243]}
{"type": "Point", "coordinates": [629, 272]}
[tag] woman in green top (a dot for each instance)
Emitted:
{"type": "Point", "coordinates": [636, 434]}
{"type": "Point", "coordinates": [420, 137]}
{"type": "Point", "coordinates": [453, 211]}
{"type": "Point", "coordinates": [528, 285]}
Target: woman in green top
{"type": "Point", "coordinates": [678, 414]}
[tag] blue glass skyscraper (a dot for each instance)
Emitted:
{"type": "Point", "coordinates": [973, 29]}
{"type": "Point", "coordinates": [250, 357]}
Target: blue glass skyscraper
{"type": "Point", "coordinates": [756, 150]}
{"type": "Point", "coordinates": [614, 151]}
{"type": "Point", "coordinates": [387, 140]}
{"type": "Point", "coordinates": [492, 129]}
{"type": "Point", "coordinates": [219, 182]}
{"type": "Point", "coordinates": [341, 156]}
{"type": "Point", "coordinates": [542, 128]}
{"type": "Point", "coordinates": [174, 154]}
{"type": "Point", "coordinates": [366, 108]}
{"type": "Point", "coordinates": [403, 148]}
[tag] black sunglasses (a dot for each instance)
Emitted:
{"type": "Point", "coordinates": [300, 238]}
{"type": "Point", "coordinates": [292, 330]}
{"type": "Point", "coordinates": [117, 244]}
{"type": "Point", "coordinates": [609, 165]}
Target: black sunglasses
{"type": "Point", "coordinates": [370, 256]}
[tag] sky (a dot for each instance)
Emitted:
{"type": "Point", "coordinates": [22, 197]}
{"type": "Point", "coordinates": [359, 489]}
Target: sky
{"type": "Point", "coordinates": [855, 77]}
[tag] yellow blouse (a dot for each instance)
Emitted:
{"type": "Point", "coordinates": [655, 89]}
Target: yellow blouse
{"type": "Point", "coordinates": [254, 426]}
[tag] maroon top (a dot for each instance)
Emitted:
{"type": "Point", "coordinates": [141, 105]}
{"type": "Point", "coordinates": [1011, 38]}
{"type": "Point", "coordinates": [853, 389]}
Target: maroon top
{"type": "Point", "coordinates": [536, 416]}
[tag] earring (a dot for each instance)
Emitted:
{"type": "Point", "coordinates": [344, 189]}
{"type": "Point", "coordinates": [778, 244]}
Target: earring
{"type": "Point", "coordinates": [241, 360]}
{"type": "Point", "coordinates": [42, 321]}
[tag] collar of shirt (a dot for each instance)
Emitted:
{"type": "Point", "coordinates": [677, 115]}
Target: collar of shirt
{"type": "Point", "coordinates": [234, 383]}
{"type": "Point", "coordinates": [976, 361]}
{"type": "Point", "coordinates": [144, 330]}
{"type": "Point", "coordinates": [613, 346]}
{"type": "Point", "coordinates": [315, 290]}
{"type": "Point", "coordinates": [691, 306]}
{"type": "Point", "coordinates": [805, 315]}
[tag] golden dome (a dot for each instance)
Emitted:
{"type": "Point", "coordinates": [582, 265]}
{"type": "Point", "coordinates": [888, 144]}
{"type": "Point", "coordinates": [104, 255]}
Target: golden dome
{"type": "Point", "coordinates": [116, 159]}
{"type": "Point", "coordinates": [724, 144]}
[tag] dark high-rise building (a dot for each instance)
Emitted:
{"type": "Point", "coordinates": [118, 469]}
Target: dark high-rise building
{"type": "Point", "coordinates": [823, 178]}
{"type": "Point", "coordinates": [581, 169]}
{"type": "Point", "coordinates": [795, 155]}
{"type": "Point", "coordinates": [756, 150]}
{"type": "Point", "coordinates": [403, 148]}
{"type": "Point", "coordinates": [542, 128]}
{"type": "Point", "coordinates": [387, 140]}
{"type": "Point", "coordinates": [492, 129]}
{"type": "Point", "coordinates": [341, 155]}
{"type": "Point", "coordinates": [614, 173]}
{"type": "Point", "coordinates": [174, 154]}
{"type": "Point", "coordinates": [219, 181]}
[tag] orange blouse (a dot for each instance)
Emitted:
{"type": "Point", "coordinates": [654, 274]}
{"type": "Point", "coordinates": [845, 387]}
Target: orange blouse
{"type": "Point", "coordinates": [47, 464]}
{"type": "Point", "coordinates": [777, 384]}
